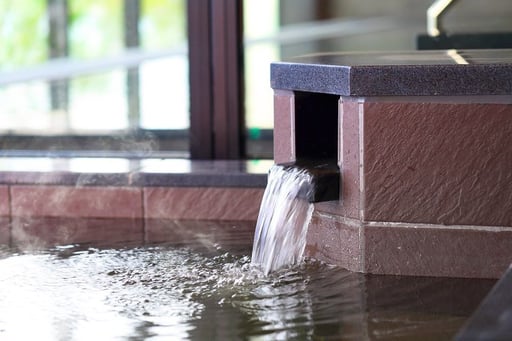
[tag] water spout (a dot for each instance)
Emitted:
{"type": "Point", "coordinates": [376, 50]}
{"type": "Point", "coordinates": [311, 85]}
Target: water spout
{"type": "Point", "coordinates": [323, 180]}
{"type": "Point", "coordinates": [286, 211]}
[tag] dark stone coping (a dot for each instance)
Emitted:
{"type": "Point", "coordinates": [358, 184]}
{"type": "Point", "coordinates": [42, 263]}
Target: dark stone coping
{"type": "Point", "coordinates": [493, 319]}
{"type": "Point", "coordinates": [87, 171]}
{"type": "Point", "coordinates": [415, 73]}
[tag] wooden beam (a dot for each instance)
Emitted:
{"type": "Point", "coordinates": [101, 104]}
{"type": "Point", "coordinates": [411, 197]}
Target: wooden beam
{"type": "Point", "coordinates": [200, 79]}
{"type": "Point", "coordinates": [227, 61]}
{"type": "Point", "coordinates": [216, 79]}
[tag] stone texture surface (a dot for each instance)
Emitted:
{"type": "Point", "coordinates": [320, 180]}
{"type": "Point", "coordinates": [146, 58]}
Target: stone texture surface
{"type": "Point", "coordinates": [202, 203]}
{"type": "Point", "coordinates": [431, 195]}
{"type": "Point", "coordinates": [438, 163]}
{"type": "Point", "coordinates": [202, 173]}
{"type": "Point", "coordinates": [437, 251]}
{"type": "Point", "coordinates": [410, 249]}
{"type": "Point", "coordinates": [66, 201]}
{"type": "Point", "coordinates": [397, 74]}
{"type": "Point", "coordinates": [334, 240]}
{"type": "Point", "coordinates": [38, 232]}
{"type": "Point", "coordinates": [350, 157]}
{"type": "Point", "coordinates": [5, 231]}
{"type": "Point", "coordinates": [284, 126]}
{"type": "Point", "coordinates": [349, 162]}
{"type": "Point", "coordinates": [4, 201]}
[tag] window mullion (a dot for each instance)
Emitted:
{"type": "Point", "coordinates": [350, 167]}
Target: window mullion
{"type": "Point", "coordinates": [216, 87]}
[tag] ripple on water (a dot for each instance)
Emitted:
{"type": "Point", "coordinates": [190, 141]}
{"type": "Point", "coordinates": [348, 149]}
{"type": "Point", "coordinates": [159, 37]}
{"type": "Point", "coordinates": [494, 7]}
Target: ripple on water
{"type": "Point", "coordinates": [83, 293]}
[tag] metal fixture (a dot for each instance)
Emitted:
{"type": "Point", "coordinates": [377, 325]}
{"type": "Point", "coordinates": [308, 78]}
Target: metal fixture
{"type": "Point", "coordinates": [437, 38]}
{"type": "Point", "coordinates": [434, 14]}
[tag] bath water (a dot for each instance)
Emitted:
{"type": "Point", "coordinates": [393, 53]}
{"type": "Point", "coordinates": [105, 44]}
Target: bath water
{"type": "Point", "coordinates": [208, 290]}
{"type": "Point", "coordinates": [283, 220]}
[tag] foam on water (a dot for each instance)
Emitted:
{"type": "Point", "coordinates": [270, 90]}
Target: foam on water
{"type": "Point", "coordinates": [284, 216]}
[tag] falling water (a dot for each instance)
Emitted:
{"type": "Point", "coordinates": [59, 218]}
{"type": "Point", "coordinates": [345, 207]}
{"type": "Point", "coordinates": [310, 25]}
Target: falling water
{"type": "Point", "coordinates": [284, 216]}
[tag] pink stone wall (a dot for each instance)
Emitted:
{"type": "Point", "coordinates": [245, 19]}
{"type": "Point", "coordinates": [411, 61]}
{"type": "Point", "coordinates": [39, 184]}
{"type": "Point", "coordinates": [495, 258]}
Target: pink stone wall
{"type": "Point", "coordinates": [438, 163]}
{"type": "Point", "coordinates": [33, 216]}
{"type": "Point", "coordinates": [350, 158]}
{"type": "Point", "coordinates": [202, 203]}
{"type": "Point", "coordinates": [194, 203]}
{"type": "Point", "coordinates": [422, 250]}
{"type": "Point", "coordinates": [284, 123]}
{"type": "Point", "coordinates": [410, 249]}
{"type": "Point", "coordinates": [5, 231]}
{"type": "Point", "coordinates": [4, 201]}
{"type": "Point", "coordinates": [427, 189]}
{"type": "Point", "coordinates": [348, 161]}
{"type": "Point", "coordinates": [335, 240]}
{"type": "Point", "coordinates": [67, 201]}
{"type": "Point", "coordinates": [418, 162]}
{"type": "Point", "coordinates": [4, 216]}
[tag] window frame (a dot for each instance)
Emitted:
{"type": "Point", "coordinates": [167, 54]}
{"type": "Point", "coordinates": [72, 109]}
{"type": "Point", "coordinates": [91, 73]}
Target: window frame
{"type": "Point", "coordinates": [215, 54]}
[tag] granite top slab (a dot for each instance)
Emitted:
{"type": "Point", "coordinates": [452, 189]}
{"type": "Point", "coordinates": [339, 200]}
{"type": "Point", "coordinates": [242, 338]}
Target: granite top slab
{"type": "Point", "coordinates": [90, 171]}
{"type": "Point", "coordinates": [414, 73]}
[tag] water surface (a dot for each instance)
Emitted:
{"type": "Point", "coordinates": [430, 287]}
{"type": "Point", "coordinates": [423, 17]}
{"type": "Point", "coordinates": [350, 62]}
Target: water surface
{"type": "Point", "coordinates": [210, 291]}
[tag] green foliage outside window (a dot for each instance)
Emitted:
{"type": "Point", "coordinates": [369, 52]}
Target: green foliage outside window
{"type": "Point", "coordinates": [95, 29]}
{"type": "Point", "coordinates": [163, 23]}
{"type": "Point", "coordinates": [23, 33]}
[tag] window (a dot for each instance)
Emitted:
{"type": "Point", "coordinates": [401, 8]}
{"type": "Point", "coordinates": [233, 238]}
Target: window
{"type": "Point", "coordinates": [175, 77]}
{"type": "Point", "coordinates": [98, 75]}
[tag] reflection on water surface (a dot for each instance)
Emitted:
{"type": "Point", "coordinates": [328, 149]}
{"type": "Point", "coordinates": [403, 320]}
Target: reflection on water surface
{"type": "Point", "coordinates": [211, 292]}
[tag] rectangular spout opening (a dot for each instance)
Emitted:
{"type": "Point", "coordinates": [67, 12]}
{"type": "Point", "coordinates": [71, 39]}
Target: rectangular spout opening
{"type": "Point", "coordinates": [316, 145]}
{"type": "Point", "coordinates": [316, 126]}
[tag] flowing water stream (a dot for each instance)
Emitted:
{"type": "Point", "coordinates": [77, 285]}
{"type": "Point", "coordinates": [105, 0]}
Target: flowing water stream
{"type": "Point", "coordinates": [283, 219]}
